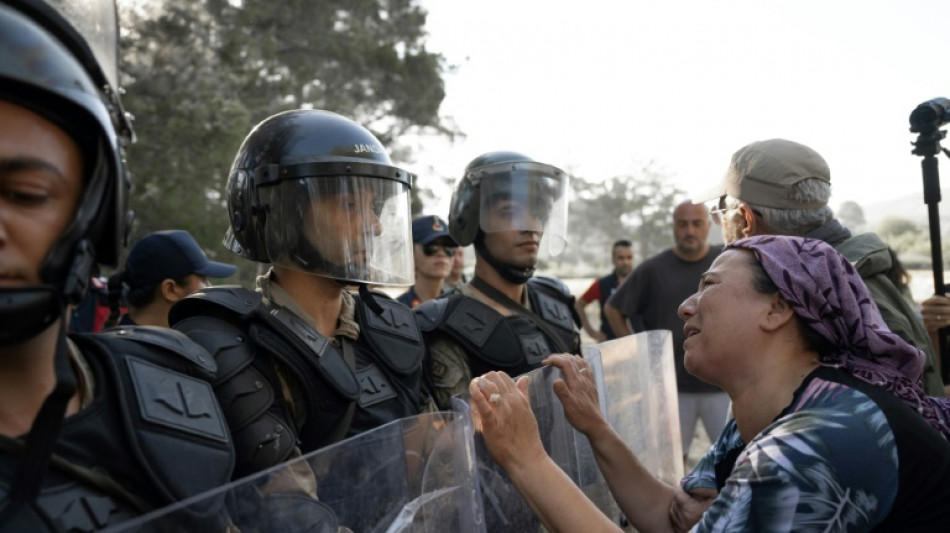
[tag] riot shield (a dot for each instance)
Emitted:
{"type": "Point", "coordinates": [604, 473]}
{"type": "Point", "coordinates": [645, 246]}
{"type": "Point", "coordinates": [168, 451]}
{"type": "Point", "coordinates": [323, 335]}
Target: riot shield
{"type": "Point", "coordinates": [505, 510]}
{"type": "Point", "coordinates": [639, 394]}
{"type": "Point", "coordinates": [411, 475]}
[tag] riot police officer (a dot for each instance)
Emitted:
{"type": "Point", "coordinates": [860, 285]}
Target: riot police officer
{"type": "Point", "coordinates": [513, 209]}
{"type": "Point", "coordinates": [304, 361]}
{"type": "Point", "coordinates": [94, 429]}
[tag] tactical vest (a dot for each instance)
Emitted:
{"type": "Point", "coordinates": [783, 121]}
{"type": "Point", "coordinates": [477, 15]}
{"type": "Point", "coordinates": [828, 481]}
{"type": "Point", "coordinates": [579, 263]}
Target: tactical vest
{"type": "Point", "coordinates": [343, 388]}
{"type": "Point", "coordinates": [514, 344]}
{"type": "Point", "coordinates": [153, 428]}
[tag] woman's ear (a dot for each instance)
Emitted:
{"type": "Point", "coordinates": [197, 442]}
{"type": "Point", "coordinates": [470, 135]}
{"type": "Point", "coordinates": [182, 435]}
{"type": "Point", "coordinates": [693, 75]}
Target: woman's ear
{"type": "Point", "coordinates": [171, 291]}
{"type": "Point", "coordinates": [780, 313]}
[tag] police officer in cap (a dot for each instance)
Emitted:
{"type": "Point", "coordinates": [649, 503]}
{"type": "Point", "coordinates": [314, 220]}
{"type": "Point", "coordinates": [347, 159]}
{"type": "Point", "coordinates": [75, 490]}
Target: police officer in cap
{"type": "Point", "coordinates": [513, 209]}
{"type": "Point", "coordinates": [433, 255]}
{"type": "Point", "coordinates": [305, 360]}
{"type": "Point", "coordinates": [94, 429]}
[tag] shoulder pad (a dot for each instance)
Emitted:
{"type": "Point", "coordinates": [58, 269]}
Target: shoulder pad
{"type": "Point", "coordinates": [172, 415]}
{"type": "Point", "coordinates": [396, 318]}
{"type": "Point", "coordinates": [429, 314]}
{"type": "Point", "coordinates": [550, 283]}
{"type": "Point", "coordinates": [553, 301]}
{"type": "Point", "coordinates": [233, 298]}
{"type": "Point", "coordinates": [173, 341]}
{"type": "Point", "coordinates": [393, 334]}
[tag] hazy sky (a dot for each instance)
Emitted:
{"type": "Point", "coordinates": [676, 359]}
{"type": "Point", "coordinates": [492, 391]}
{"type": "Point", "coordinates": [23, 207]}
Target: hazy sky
{"type": "Point", "coordinates": [602, 87]}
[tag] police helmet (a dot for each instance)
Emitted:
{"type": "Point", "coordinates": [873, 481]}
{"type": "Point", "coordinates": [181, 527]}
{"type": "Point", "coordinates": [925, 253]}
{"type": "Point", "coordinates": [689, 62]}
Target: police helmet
{"type": "Point", "coordinates": [533, 195]}
{"type": "Point", "coordinates": [316, 192]}
{"type": "Point", "coordinates": [63, 69]}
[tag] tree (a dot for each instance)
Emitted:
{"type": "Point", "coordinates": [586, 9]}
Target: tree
{"type": "Point", "coordinates": [638, 207]}
{"type": "Point", "coordinates": [187, 121]}
{"type": "Point", "coordinates": [199, 74]}
{"type": "Point", "coordinates": [907, 238]}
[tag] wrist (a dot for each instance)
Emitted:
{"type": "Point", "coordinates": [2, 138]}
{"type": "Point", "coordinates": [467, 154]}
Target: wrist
{"type": "Point", "coordinates": [527, 461]}
{"type": "Point", "coordinates": [598, 432]}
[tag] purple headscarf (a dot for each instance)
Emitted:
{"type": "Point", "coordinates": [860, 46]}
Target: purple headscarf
{"type": "Point", "coordinates": [828, 294]}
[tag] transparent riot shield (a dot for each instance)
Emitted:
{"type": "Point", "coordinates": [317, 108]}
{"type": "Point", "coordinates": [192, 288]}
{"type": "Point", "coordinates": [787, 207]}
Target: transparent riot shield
{"type": "Point", "coordinates": [411, 475]}
{"type": "Point", "coordinates": [505, 510]}
{"type": "Point", "coordinates": [639, 394]}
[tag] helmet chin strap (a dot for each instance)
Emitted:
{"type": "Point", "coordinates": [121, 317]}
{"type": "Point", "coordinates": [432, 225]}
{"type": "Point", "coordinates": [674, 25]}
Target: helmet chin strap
{"type": "Point", "coordinates": [36, 308]}
{"type": "Point", "coordinates": [38, 448]}
{"type": "Point", "coordinates": [309, 257]}
{"type": "Point", "coordinates": [26, 311]}
{"type": "Point", "coordinates": [512, 274]}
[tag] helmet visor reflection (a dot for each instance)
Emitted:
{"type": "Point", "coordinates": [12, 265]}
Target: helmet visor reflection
{"type": "Point", "coordinates": [350, 228]}
{"type": "Point", "coordinates": [525, 197]}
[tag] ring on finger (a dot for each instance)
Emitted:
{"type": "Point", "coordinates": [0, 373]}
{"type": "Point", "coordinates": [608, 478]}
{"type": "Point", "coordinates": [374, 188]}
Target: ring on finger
{"type": "Point", "coordinates": [494, 398]}
{"type": "Point", "coordinates": [582, 370]}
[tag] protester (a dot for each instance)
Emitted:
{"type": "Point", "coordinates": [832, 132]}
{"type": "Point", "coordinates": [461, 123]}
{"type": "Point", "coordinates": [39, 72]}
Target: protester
{"type": "Point", "coordinates": [831, 430]}
{"type": "Point", "coordinates": [503, 319]}
{"type": "Point", "coordinates": [94, 429]}
{"type": "Point", "coordinates": [781, 187]}
{"type": "Point", "coordinates": [603, 288]}
{"type": "Point", "coordinates": [649, 299]}
{"type": "Point", "coordinates": [162, 268]}
{"type": "Point", "coordinates": [433, 252]}
{"type": "Point", "coordinates": [310, 362]}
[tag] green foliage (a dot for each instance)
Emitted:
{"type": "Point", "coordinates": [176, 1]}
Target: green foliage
{"type": "Point", "coordinates": [911, 241]}
{"type": "Point", "coordinates": [896, 227]}
{"type": "Point", "coordinates": [199, 74]}
{"type": "Point", "coordinates": [637, 206]}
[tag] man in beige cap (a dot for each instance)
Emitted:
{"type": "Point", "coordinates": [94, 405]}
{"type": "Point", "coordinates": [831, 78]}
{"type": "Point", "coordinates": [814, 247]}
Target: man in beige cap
{"type": "Point", "coordinates": [782, 187]}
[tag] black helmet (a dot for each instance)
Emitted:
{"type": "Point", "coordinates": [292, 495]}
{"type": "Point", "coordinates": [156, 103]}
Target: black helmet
{"type": "Point", "coordinates": [541, 189]}
{"type": "Point", "coordinates": [52, 67]}
{"type": "Point", "coordinates": [314, 191]}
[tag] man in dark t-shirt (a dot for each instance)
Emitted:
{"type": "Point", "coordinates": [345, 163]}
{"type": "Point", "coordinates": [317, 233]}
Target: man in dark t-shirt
{"type": "Point", "coordinates": [649, 299]}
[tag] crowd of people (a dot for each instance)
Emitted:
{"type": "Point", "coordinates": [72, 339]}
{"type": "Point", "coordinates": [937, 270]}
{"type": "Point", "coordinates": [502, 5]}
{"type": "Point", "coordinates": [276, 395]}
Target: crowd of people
{"type": "Point", "coordinates": [798, 352]}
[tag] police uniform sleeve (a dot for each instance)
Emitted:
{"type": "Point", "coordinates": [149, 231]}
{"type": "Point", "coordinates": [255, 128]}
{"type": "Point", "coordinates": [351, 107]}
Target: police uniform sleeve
{"type": "Point", "coordinates": [450, 371]}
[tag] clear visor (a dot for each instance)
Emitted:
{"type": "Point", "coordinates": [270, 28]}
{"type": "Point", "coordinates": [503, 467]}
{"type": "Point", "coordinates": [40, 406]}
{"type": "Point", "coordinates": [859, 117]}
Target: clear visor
{"type": "Point", "coordinates": [97, 21]}
{"type": "Point", "coordinates": [525, 197]}
{"type": "Point", "coordinates": [351, 228]}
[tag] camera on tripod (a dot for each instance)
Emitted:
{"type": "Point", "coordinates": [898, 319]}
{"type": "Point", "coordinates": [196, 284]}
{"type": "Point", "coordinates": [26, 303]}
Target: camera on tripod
{"type": "Point", "coordinates": [930, 115]}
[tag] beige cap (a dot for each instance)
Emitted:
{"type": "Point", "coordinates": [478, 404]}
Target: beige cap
{"type": "Point", "coordinates": [763, 172]}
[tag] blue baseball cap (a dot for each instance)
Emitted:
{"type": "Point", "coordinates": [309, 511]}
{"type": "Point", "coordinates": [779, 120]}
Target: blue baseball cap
{"type": "Point", "coordinates": [428, 228]}
{"type": "Point", "coordinates": [170, 254]}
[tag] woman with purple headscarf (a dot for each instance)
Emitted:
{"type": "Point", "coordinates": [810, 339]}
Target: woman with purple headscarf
{"type": "Point", "coordinates": [831, 431]}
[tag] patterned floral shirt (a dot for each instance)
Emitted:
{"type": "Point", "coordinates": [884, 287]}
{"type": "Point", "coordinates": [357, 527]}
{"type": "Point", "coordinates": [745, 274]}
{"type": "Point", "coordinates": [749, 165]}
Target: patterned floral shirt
{"type": "Point", "coordinates": [844, 456]}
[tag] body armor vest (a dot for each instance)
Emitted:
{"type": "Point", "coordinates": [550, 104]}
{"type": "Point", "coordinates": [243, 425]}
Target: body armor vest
{"type": "Point", "coordinates": [514, 344]}
{"type": "Point", "coordinates": [153, 428]}
{"type": "Point", "coordinates": [344, 388]}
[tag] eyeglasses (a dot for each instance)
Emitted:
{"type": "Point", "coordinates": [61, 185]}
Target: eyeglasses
{"type": "Point", "coordinates": [720, 211]}
{"type": "Point", "coordinates": [433, 248]}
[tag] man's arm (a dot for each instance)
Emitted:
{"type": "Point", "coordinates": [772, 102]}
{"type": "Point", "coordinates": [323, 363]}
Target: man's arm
{"type": "Point", "coordinates": [580, 305]}
{"type": "Point", "coordinates": [618, 322]}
